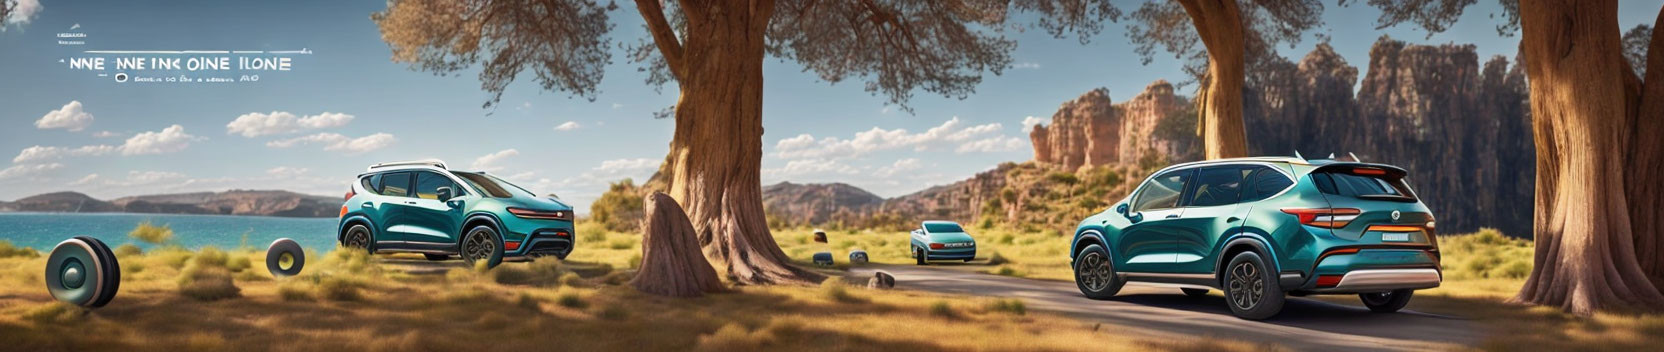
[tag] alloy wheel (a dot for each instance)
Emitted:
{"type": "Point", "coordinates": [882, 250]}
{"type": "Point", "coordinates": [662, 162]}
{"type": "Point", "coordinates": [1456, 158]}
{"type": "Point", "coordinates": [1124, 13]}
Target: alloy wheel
{"type": "Point", "coordinates": [358, 239]}
{"type": "Point", "coordinates": [1094, 272]}
{"type": "Point", "coordinates": [1246, 286]}
{"type": "Point", "coordinates": [479, 246]}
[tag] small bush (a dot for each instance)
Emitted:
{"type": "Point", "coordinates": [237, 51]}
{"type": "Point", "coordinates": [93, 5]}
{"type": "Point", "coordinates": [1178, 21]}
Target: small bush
{"type": "Point", "coordinates": [1013, 306]}
{"type": "Point", "coordinates": [528, 302]}
{"type": "Point", "coordinates": [621, 243]}
{"type": "Point", "coordinates": [834, 289]}
{"type": "Point", "coordinates": [210, 256]}
{"type": "Point", "coordinates": [635, 261]}
{"type": "Point", "coordinates": [571, 280]}
{"type": "Point", "coordinates": [571, 300]}
{"type": "Point", "coordinates": [339, 289]}
{"type": "Point", "coordinates": [7, 250]}
{"type": "Point", "coordinates": [128, 250]}
{"type": "Point", "coordinates": [1008, 271]}
{"type": "Point", "coordinates": [207, 283]}
{"type": "Point", "coordinates": [997, 259]}
{"type": "Point", "coordinates": [294, 291]}
{"type": "Point", "coordinates": [152, 234]}
{"type": "Point", "coordinates": [941, 309]}
{"type": "Point", "coordinates": [542, 272]}
{"type": "Point", "coordinates": [613, 312]}
{"type": "Point", "coordinates": [56, 313]}
{"type": "Point", "coordinates": [734, 337]}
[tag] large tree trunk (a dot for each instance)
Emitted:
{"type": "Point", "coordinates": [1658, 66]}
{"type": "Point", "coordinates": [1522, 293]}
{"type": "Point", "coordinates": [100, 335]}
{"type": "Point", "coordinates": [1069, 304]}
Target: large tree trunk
{"type": "Point", "coordinates": [1585, 258]}
{"type": "Point", "coordinates": [671, 262]}
{"type": "Point", "coordinates": [1646, 169]}
{"type": "Point", "coordinates": [716, 155]}
{"type": "Point", "coordinates": [1219, 23]}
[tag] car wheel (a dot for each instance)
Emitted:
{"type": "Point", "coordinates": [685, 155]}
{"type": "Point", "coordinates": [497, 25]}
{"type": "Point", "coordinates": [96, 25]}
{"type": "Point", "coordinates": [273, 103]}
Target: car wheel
{"type": "Point", "coordinates": [436, 257]}
{"type": "Point", "coordinates": [481, 244]}
{"type": "Point", "coordinates": [1250, 289]}
{"type": "Point", "coordinates": [1387, 302]}
{"type": "Point", "coordinates": [1095, 274]}
{"type": "Point", "coordinates": [358, 236]}
{"type": "Point", "coordinates": [1194, 292]}
{"type": "Point", "coordinates": [918, 257]}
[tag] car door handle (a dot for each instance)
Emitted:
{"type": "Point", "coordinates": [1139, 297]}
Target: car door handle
{"type": "Point", "coordinates": [368, 204]}
{"type": "Point", "coordinates": [1233, 219]}
{"type": "Point", "coordinates": [1172, 216]}
{"type": "Point", "coordinates": [411, 202]}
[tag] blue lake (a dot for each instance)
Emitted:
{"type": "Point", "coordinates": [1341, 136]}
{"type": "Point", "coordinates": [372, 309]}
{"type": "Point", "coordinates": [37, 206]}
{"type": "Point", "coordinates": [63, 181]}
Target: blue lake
{"type": "Point", "coordinates": [44, 230]}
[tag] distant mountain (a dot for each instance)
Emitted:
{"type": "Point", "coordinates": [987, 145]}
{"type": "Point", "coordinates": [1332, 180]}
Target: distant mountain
{"type": "Point", "coordinates": [234, 202]}
{"type": "Point", "coordinates": [818, 203]}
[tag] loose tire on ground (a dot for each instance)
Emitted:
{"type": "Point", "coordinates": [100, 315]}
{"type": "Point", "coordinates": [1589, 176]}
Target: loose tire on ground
{"type": "Point", "coordinates": [1386, 302]}
{"type": "Point", "coordinates": [1095, 273]}
{"type": "Point", "coordinates": [285, 258]}
{"type": "Point", "coordinates": [83, 271]}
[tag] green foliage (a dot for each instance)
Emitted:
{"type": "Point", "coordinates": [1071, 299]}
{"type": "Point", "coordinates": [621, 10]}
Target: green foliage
{"type": "Point", "coordinates": [620, 208]}
{"type": "Point", "coordinates": [7, 250]}
{"type": "Point", "coordinates": [294, 291]}
{"type": "Point", "coordinates": [836, 290]}
{"type": "Point", "coordinates": [942, 309]}
{"type": "Point", "coordinates": [336, 288]}
{"type": "Point", "coordinates": [1013, 306]}
{"type": "Point", "coordinates": [128, 250]}
{"type": "Point", "coordinates": [56, 313]}
{"type": "Point", "coordinates": [207, 278]}
{"type": "Point", "coordinates": [1485, 254]}
{"type": "Point", "coordinates": [571, 300]}
{"type": "Point", "coordinates": [152, 234]}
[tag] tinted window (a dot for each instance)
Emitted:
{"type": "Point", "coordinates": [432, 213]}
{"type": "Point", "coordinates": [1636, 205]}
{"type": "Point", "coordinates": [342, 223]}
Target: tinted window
{"type": "Point", "coordinates": [395, 184]}
{"type": "Point", "coordinates": [494, 187]}
{"type": "Point", "coordinates": [428, 183]}
{"type": "Point", "coordinates": [372, 182]}
{"type": "Point", "coordinates": [1263, 182]}
{"type": "Point", "coordinates": [943, 228]}
{"type": "Point", "coordinates": [1359, 185]}
{"type": "Point", "coordinates": [1217, 185]}
{"type": "Point", "coordinates": [1162, 192]}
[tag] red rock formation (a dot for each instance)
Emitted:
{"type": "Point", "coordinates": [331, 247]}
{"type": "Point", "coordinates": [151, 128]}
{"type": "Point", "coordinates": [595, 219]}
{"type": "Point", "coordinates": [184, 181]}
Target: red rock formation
{"type": "Point", "coordinates": [1085, 131]}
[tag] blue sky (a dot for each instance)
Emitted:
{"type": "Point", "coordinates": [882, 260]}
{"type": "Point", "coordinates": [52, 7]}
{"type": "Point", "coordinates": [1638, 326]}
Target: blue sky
{"type": "Point", "coordinates": [347, 105]}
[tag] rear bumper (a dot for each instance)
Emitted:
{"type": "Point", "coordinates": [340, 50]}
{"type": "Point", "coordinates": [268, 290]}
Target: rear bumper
{"type": "Point", "coordinates": [950, 254]}
{"type": "Point", "coordinates": [1378, 280]}
{"type": "Point", "coordinates": [546, 242]}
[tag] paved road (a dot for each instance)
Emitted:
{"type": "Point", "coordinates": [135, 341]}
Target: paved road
{"type": "Point", "coordinates": [1159, 311]}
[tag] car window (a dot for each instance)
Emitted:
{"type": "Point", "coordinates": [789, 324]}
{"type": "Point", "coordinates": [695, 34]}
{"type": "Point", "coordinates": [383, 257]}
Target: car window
{"type": "Point", "coordinates": [1359, 185]}
{"type": "Point", "coordinates": [428, 183]}
{"type": "Point", "coordinates": [1264, 182]}
{"type": "Point", "coordinates": [395, 184]}
{"type": "Point", "coordinates": [1217, 185]}
{"type": "Point", "coordinates": [1162, 191]}
{"type": "Point", "coordinates": [372, 182]}
{"type": "Point", "coordinates": [943, 228]}
{"type": "Point", "coordinates": [494, 187]}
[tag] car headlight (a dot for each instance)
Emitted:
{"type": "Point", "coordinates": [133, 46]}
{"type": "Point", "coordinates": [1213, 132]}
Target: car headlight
{"type": "Point", "coordinates": [541, 214]}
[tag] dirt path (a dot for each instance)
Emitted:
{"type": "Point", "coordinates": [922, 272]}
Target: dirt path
{"type": "Point", "coordinates": [1159, 311]}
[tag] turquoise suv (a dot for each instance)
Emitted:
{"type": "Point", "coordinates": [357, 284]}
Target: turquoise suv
{"type": "Point", "coordinates": [424, 207]}
{"type": "Point", "coordinates": [1262, 228]}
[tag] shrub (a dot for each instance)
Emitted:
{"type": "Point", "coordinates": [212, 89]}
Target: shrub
{"type": "Point", "coordinates": [834, 289]}
{"type": "Point", "coordinates": [336, 288]}
{"type": "Point", "coordinates": [734, 337]}
{"type": "Point", "coordinates": [620, 208]}
{"type": "Point", "coordinates": [128, 250]}
{"type": "Point", "coordinates": [1013, 306]}
{"type": "Point", "coordinates": [528, 302]}
{"type": "Point", "coordinates": [571, 300]}
{"type": "Point", "coordinates": [7, 250]}
{"type": "Point", "coordinates": [997, 259]}
{"type": "Point", "coordinates": [152, 234]}
{"type": "Point", "coordinates": [541, 272]}
{"type": "Point", "coordinates": [941, 309]}
{"type": "Point", "coordinates": [294, 291]}
{"type": "Point", "coordinates": [571, 280]}
{"type": "Point", "coordinates": [1008, 271]}
{"type": "Point", "coordinates": [56, 313]}
{"type": "Point", "coordinates": [621, 243]}
{"type": "Point", "coordinates": [613, 312]}
{"type": "Point", "coordinates": [207, 283]}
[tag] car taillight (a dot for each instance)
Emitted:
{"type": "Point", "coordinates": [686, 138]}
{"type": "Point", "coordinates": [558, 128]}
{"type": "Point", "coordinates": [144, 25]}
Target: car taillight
{"type": "Point", "coordinates": [343, 211]}
{"type": "Point", "coordinates": [1324, 217]}
{"type": "Point", "coordinates": [349, 196]}
{"type": "Point", "coordinates": [539, 214]}
{"type": "Point", "coordinates": [1327, 281]}
{"type": "Point", "coordinates": [936, 246]}
{"type": "Point", "coordinates": [511, 245]}
{"type": "Point", "coordinates": [1368, 171]}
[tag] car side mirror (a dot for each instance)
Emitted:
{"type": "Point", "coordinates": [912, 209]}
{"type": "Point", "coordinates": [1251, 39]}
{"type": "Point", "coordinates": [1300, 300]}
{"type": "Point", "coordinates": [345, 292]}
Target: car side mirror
{"type": "Point", "coordinates": [444, 193]}
{"type": "Point", "coordinates": [1121, 209]}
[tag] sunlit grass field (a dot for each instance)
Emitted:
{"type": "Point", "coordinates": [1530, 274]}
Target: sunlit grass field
{"type": "Point", "coordinates": [175, 299]}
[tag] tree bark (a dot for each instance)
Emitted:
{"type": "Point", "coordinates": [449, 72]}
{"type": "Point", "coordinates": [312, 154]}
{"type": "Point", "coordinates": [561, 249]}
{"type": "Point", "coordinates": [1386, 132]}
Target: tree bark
{"type": "Point", "coordinates": [1585, 258]}
{"type": "Point", "coordinates": [715, 157]}
{"type": "Point", "coordinates": [671, 263]}
{"type": "Point", "coordinates": [1219, 24]}
{"type": "Point", "coordinates": [1646, 170]}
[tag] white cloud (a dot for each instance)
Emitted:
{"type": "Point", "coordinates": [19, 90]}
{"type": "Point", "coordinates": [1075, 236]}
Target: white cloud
{"type": "Point", "coordinates": [621, 166]}
{"type": "Point", "coordinates": [339, 143]}
{"type": "Point", "coordinates": [85, 180]}
{"type": "Point", "coordinates": [489, 162]}
{"type": "Point", "coordinates": [616, 106]}
{"type": "Point", "coordinates": [568, 126]}
{"type": "Point", "coordinates": [1030, 121]}
{"type": "Point", "coordinates": [168, 140]}
{"type": "Point", "coordinates": [992, 144]}
{"type": "Point", "coordinates": [71, 117]}
{"type": "Point", "coordinates": [149, 178]}
{"type": "Point", "coordinates": [24, 12]}
{"type": "Point", "coordinates": [27, 170]}
{"type": "Point", "coordinates": [40, 153]}
{"type": "Point", "coordinates": [106, 134]}
{"type": "Point", "coordinates": [278, 122]}
{"type": "Point", "coordinates": [900, 166]}
{"type": "Point", "coordinates": [810, 167]}
{"type": "Point", "coordinates": [285, 171]}
{"type": "Point", "coordinates": [1027, 65]}
{"type": "Point", "coordinates": [877, 139]}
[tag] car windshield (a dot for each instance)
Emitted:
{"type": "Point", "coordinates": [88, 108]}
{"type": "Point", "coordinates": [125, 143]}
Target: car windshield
{"type": "Point", "coordinates": [942, 228]}
{"type": "Point", "coordinates": [494, 187]}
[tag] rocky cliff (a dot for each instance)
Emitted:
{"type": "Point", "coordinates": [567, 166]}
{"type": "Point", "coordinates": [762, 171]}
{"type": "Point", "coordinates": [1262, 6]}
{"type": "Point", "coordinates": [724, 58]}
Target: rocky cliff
{"type": "Point", "coordinates": [1091, 130]}
{"type": "Point", "coordinates": [235, 202]}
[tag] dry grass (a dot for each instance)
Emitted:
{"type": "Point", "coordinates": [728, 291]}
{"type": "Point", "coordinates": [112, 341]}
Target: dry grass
{"type": "Point", "coordinates": [391, 307]}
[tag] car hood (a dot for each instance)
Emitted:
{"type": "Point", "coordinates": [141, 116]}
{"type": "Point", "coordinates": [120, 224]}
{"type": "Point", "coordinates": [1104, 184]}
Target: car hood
{"type": "Point", "coordinates": [950, 237]}
{"type": "Point", "coordinates": [535, 203]}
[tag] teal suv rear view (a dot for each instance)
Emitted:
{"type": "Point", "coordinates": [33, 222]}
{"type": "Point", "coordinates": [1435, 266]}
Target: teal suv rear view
{"type": "Point", "coordinates": [1262, 228]}
{"type": "Point", "coordinates": [423, 207]}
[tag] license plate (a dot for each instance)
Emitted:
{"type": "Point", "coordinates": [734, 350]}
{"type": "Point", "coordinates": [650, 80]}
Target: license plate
{"type": "Point", "coordinates": [1395, 237]}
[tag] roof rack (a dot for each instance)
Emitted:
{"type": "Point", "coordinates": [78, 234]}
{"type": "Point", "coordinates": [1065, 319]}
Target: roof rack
{"type": "Point", "coordinates": [424, 162]}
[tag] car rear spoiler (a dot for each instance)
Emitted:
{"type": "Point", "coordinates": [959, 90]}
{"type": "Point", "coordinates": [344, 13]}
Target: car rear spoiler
{"type": "Point", "coordinates": [1390, 171]}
